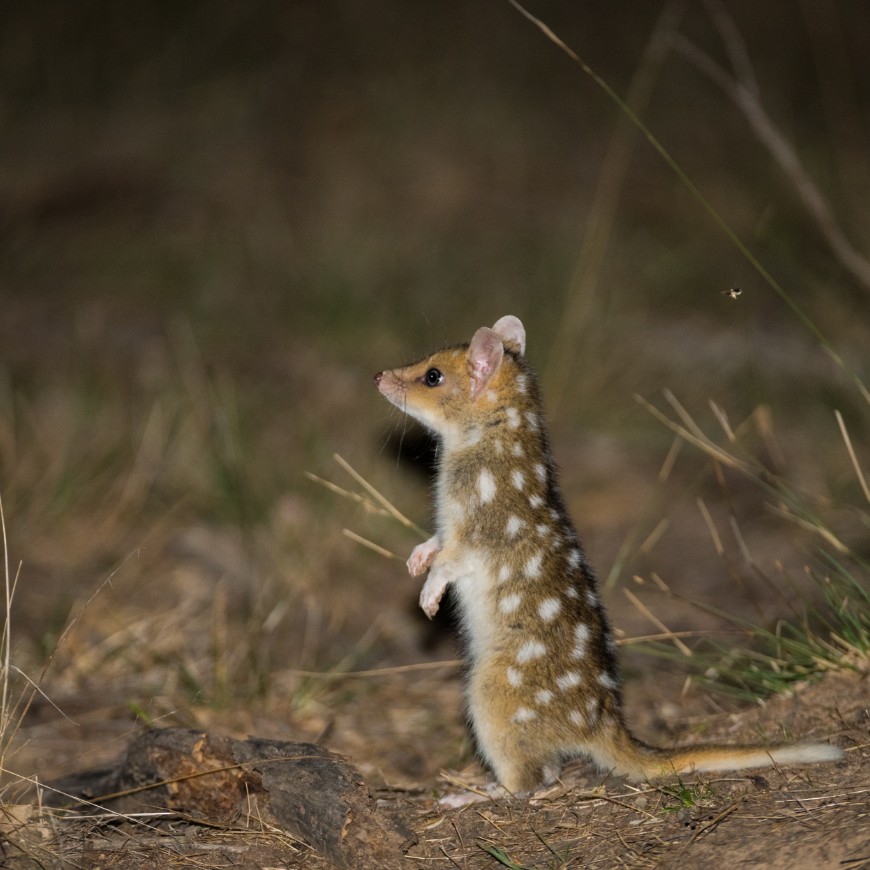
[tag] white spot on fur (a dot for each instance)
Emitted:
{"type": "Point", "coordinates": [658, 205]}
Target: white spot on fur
{"type": "Point", "coordinates": [514, 677]}
{"type": "Point", "coordinates": [517, 449]}
{"type": "Point", "coordinates": [554, 515]}
{"type": "Point", "coordinates": [574, 558]}
{"type": "Point", "coordinates": [521, 384]}
{"type": "Point", "coordinates": [504, 573]}
{"type": "Point", "coordinates": [543, 696]}
{"type": "Point", "coordinates": [592, 710]}
{"type": "Point", "coordinates": [581, 641]}
{"type": "Point", "coordinates": [513, 417]}
{"type": "Point", "coordinates": [535, 501]}
{"type": "Point", "coordinates": [607, 681]}
{"type": "Point", "coordinates": [540, 471]}
{"type": "Point", "coordinates": [549, 609]}
{"type": "Point", "coordinates": [571, 592]}
{"type": "Point", "coordinates": [524, 714]}
{"type": "Point", "coordinates": [591, 597]}
{"type": "Point", "coordinates": [518, 478]}
{"type": "Point", "coordinates": [577, 717]}
{"type": "Point", "coordinates": [509, 603]}
{"type": "Point", "coordinates": [498, 447]}
{"type": "Point", "coordinates": [529, 651]}
{"type": "Point", "coordinates": [491, 396]}
{"type": "Point", "coordinates": [568, 680]}
{"type": "Point", "coordinates": [486, 486]}
{"type": "Point", "coordinates": [474, 436]}
{"type": "Point", "coordinates": [514, 524]}
{"type": "Point", "coordinates": [533, 419]}
{"type": "Point", "coordinates": [542, 529]}
{"type": "Point", "coordinates": [533, 565]}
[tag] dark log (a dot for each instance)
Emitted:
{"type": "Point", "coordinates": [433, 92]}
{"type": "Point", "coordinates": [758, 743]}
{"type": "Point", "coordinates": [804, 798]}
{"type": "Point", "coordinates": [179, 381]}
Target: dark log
{"type": "Point", "coordinates": [313, 794]}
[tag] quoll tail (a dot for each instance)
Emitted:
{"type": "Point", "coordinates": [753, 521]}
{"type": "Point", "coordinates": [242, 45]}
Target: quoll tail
{"type": "Point", "coordinates": [638, 761]}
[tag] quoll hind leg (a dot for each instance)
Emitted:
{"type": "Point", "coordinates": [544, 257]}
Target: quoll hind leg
{"type": "Point", "coordinates": [511, 744]}
{"type": "Point", "coordinates": [520, 773]}
{"type": "Point", "coordinates": [511, 781]}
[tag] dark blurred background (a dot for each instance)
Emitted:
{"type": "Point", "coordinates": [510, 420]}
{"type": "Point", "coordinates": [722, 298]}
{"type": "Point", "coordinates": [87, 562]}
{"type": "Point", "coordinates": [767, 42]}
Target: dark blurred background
{"type": "Point", "coordinates": [319, 172]}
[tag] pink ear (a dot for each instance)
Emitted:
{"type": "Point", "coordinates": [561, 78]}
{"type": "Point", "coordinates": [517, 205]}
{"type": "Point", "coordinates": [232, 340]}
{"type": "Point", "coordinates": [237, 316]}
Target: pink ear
{"type": "Point", "coordinates": [512, 332]}
{"type": "Point", "coordinates": [484, 357]}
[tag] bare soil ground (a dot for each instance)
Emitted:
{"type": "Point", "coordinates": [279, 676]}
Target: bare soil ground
{"type": "Point", "coordinates": [814, 816]}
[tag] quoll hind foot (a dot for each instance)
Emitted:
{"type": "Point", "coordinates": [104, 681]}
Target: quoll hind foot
{"type": "Point", "coordinates": [496, 791]}
{"type": "Point", "coordinates": [491, 791]}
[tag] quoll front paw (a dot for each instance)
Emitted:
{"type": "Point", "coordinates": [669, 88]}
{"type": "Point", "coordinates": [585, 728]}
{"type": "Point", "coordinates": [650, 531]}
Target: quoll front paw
{"type": "Point", "coordinates": [432, 593]}
{"type": "Point", "coordinates": [422, 556]}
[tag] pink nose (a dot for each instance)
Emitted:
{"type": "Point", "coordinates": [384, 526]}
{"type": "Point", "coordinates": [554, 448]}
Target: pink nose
{"type": "Point", "coordinates": [378, 377]}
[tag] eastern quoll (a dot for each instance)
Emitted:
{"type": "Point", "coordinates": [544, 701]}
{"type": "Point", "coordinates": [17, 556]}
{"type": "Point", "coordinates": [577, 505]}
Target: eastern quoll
{"type": "Point", "coordinates": [543, 683]}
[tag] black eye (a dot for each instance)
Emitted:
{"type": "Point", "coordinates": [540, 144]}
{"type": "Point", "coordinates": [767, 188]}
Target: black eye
{"type": "Point", "coordinates": [433, 378]}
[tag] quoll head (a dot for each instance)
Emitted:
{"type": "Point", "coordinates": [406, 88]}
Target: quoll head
{"type": "Point", "coordinates": [456, 385]}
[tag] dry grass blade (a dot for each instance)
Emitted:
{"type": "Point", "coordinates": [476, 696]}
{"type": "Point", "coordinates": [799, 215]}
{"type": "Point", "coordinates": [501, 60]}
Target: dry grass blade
{"type": "Point", "coordinates": [668, 634]}
{"type": "Point", "coordinates": [456, 781]}
{"type": "Point", "coordinates": [654, 536]}
{"type": "Point", "coordinates": [670, 460]}
{"type": "Point", "coordinates": [763, 420]}
{"type": "Point", "coordinates": [665, 589]}
{"type": "Point", "coordinates": [42, 694]}
{"type": "Point", "coordinates": [741, 541]}
{"type": "Point", "coordinates": [372, 500]}
{"type": "Point", "coordinates": [11, 714]}
{"type": "Point", "coordinates": [722, 417]}
{"type": "Point", "coordinates": [711, 527]}
{"type": "Point", "coordinates": [709, 826]}
{"type": "Point", "coordinates": [387, 505]}
{"type": "Point", "coordinates": [683, 414]}
{"type": "Point", "coordinates": [379, 672]}
{"type": "Point", "coordinates": [366, 502]}
{"type": "Point", "coordinates": [860, 474]}
{"type": "Point", "coordinates": [383, 508]}
{"type": "Point", "coordinates": [696, 437]}
{"type": "Point", "coordinates": [84, 802]}
{"type": "Point", "coordinates": [816, 528]}
{"type": "Point", "coordinates": [7, 646]}
{"type": "Point", "coordinates": [371, 545]}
